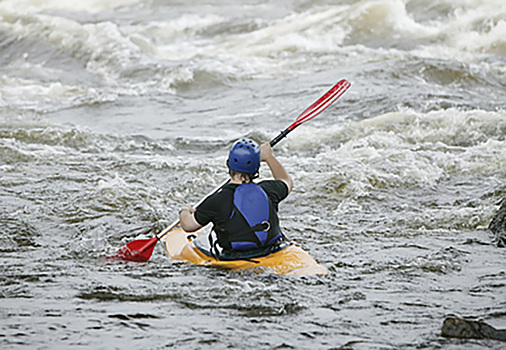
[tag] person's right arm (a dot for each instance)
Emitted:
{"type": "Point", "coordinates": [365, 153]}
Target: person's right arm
{"type": "Point", "coordinates": [277, 169]}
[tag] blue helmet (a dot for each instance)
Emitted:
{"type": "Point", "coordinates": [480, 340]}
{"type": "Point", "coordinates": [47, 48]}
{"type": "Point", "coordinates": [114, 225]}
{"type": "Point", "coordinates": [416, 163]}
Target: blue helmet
{"type": "Point", "coordinates": [244, 156]}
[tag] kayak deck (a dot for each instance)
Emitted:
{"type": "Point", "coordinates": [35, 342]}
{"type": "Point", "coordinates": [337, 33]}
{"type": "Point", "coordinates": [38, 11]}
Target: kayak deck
{"type": "Point", "coordinates": [292, 260]}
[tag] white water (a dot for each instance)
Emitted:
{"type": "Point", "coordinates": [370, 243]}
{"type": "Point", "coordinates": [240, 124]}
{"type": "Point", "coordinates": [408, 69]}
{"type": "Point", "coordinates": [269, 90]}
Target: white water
{"type": "Point", "coordinates": [115, 114]}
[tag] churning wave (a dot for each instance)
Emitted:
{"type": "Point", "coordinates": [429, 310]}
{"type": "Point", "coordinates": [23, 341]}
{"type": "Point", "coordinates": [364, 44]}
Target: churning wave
{"type": "Point", "coordinates": [59, 57]}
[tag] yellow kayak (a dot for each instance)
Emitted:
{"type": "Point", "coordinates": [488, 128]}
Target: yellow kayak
{"type": "Point", "coordinates": [291, 260]}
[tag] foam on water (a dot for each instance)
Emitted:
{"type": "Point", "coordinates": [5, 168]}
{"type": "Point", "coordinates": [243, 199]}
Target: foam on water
{"type": "Point", "coordinates": [128, 57]}
{"type": "Point", "coordinates": [35, 6]}
{"type": "Point", "coordinates": [445, 142]}
{"type": "Point", "coordinates": [471, 31]}
{"type": "Point", "coordinates": [116, 114]}
{"type": "Point", "coordinates": [439, 157]}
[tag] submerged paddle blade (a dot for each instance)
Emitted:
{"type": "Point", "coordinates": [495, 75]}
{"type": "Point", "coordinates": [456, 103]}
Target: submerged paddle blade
{"type": "Point", "coordinates": [138, 251]}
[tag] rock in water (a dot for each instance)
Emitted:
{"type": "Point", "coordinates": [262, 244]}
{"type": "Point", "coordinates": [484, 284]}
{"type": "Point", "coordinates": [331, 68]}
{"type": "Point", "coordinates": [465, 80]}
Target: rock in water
{"type": "Point", "coordinates": [498, 225]}
{"type": "Point", "coordinates": [454, 327]}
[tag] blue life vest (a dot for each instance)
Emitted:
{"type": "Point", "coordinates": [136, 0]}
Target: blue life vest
{"type": "Point", "coordinates": [251, 201]}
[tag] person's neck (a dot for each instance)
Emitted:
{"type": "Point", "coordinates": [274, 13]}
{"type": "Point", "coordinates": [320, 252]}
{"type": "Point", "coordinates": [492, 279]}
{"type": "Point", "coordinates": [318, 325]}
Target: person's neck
{"type": "Point", "coordinates": [238, 180]}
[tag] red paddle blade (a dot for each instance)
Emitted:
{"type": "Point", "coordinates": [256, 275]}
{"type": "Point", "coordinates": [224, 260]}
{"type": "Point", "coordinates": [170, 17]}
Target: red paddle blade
{"type": "Point", "coordinates": [322, 103]}
{"type": "Point", "coordinates": [139, 250]}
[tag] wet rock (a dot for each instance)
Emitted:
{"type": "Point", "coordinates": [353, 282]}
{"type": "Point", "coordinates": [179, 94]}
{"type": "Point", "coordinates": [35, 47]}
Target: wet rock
{"type": "Point", "coordinates": [498, 225]}
{"type": "Point", "coordinates": [454, 327]}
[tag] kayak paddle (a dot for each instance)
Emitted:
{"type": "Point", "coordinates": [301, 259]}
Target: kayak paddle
{"type": "Point", "coordinates": [141, 250]}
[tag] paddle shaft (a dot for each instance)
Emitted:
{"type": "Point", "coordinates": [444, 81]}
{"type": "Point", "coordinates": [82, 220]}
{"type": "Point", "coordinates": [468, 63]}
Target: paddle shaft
{"type": "Point", "coordinates": [283, 134]}
{"type": "Point", "coordinates": [280, 137]}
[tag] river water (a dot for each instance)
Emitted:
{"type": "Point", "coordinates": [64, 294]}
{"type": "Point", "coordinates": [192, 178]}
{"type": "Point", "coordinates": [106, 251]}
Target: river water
{"type": "Point", "coordinates": [114, 114]}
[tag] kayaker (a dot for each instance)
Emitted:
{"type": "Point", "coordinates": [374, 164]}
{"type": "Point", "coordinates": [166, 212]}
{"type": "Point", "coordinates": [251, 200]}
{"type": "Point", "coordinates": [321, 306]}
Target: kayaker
{"type": "Point", "coordinates": [243, 214]}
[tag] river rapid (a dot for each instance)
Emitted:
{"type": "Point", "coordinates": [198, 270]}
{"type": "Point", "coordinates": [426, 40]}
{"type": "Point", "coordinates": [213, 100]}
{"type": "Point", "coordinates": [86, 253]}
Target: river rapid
{"type": "Point", "coordinates": [115, 114]}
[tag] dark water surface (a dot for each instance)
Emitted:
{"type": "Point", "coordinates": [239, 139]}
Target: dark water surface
{"type": "Point", "coordinates": [115, 114]}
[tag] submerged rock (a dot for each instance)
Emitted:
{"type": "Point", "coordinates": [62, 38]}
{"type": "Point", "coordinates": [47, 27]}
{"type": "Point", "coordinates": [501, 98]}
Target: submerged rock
{"type": "Point", "coordinates": [498, 225]}
{"type": "Point", "coordinates": [454, 327]}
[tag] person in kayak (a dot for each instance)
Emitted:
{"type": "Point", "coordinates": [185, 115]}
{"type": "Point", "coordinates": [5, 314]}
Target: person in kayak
{"type": "Point", "coordinates": [244, 214]}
